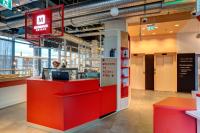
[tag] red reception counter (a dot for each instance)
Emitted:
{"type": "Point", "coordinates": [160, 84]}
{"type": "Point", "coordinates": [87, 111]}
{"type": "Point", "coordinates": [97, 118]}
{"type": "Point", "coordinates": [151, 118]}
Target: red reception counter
{"type": "Point", "coordinates": [169, 116]}
{"type": "Point", "coordinates": [63, 105]}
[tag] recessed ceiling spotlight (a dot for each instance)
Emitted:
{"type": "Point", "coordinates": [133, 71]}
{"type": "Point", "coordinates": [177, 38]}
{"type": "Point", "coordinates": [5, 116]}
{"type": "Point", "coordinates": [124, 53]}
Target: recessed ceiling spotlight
{"type": "Point", "coordinates": [171, 31]}
{"type": "Point", "coordinates": [176, 25]}
{"type": "Point", "coordinates": [154, 33]}
{"type": "Point", "coordinates": [156, 27]}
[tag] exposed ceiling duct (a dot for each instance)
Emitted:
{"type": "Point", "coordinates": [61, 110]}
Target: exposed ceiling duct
{"type": "Point", "coordinates": [85, 30]}
{"type": "Point", "coordinates": [102, 5]}
{"type": "Point", "coordinates": [122, 12]}
{"type": "Point", "coordinates": [97, 16]}
{"type": "Point", "coordinates": [89, 34]}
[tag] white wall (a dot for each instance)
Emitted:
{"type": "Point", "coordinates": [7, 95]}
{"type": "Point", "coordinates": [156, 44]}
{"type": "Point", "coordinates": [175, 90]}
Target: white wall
{"type": "Point", "coordinates": [185, 41]}
{"type": "Point", "coordinates": [154, 44]}
{"type": "Point", "coordinates": [12, 95]}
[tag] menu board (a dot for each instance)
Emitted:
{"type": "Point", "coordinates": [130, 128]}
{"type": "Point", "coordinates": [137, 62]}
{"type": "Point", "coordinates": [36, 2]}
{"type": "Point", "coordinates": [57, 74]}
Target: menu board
{"type": "Point", "coordinates": [185, 72]}
{"type": "Point", "coordinates": [108, 71]}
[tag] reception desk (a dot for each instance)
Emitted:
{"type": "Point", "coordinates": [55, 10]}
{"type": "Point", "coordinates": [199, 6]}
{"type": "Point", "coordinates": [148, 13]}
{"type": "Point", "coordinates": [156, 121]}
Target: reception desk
{"type": "Point", "coordinates": [63, 105]}
{"type": "Point", "coordinates": [169, 116]}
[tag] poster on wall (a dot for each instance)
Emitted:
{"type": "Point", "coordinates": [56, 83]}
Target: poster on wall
{"type": "Point", "coordinates": [108, 71]}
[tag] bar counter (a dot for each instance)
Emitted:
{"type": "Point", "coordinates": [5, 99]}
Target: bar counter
{"type": "Point", "coordinates": [64, 105]}
{"type": "Point", "coordinates": [169, 116]}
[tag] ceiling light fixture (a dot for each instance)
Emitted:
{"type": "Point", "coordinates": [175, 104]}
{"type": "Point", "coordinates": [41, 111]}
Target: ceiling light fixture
{"type": "Point", "coordinates": [171, 31]}
{"type": "Point", "coordinates": [114, 11]}
{"type": "Point", "coordinates": [176, 25]}
{"type": "Point", "coordinates": [154, 33]}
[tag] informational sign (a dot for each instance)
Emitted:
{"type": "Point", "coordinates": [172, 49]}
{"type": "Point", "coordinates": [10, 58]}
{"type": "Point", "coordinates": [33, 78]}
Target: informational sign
{"type": "Point", "coordinates": [6, 3]}
{"type": "Point", "coordinates": [186, 72]}
{"type": "Point", "coordinates": [42, 22]}
{"type": "Point", "coordinates": [108, 71]}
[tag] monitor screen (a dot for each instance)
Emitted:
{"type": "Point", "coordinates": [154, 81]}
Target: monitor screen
{"type": "Point", "coordinates": [59, 75]}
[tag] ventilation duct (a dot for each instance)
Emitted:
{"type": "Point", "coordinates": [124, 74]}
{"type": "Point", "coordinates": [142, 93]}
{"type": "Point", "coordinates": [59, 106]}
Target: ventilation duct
{"type": "Point", "coordinates": [102, 5]}
{"type": "Point", "coordinates": [122, 13]}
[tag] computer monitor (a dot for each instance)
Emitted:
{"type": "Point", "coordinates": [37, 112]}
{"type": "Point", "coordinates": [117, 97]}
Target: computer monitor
{"type": "Point", "coordinates": [59, 75]}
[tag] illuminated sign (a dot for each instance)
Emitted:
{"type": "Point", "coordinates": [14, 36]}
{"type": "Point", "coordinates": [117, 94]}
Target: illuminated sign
{"type": "Point", "coordinates": [6, 3]}
{"type": "Point", "coordinates": [42, 22]}
{"type": "Point", "coordinates": [173, 2]}
{"type": "Point", "coordinates": [151, 27]}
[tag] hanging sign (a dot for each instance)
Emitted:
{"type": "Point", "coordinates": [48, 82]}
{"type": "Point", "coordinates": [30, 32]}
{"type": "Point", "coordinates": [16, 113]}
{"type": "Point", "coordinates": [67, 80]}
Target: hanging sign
{"type": "Point", "coordinates": [6, 3]}
{"type": "Point", "coordinates": [42, 22]}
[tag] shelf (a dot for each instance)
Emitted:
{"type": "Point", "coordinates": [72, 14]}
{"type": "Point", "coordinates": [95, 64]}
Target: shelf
{"type": "Point", "coordinates": [123, 67]}
{"type": "Point", "coordinates": [125, 77]}
{"type": "Point", "coordinates": [124, 48]}
{"type": "Point", "coordinates": [123, 58]}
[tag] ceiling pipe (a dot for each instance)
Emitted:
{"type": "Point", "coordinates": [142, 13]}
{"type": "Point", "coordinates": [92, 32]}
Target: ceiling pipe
{"type": "Point", "coordinates": [86, 30]}
{"type": "Point", "coordinates": [76, 39]}
{"type": "Point", "coordinates": [89, 34]}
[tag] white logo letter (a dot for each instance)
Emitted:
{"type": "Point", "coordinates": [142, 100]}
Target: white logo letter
{"type": "Point", "coordinates": [41, 19]}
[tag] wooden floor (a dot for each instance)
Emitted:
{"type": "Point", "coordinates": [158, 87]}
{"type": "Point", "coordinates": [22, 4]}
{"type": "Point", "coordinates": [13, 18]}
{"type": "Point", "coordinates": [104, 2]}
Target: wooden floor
{"type": "Point", "coordinates": [136, 119]}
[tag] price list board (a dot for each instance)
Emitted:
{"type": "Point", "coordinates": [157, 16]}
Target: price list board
{"type": "Point", "coordinates": [186, 72]}
{"type": "Point", "coordinates": [108, 71]}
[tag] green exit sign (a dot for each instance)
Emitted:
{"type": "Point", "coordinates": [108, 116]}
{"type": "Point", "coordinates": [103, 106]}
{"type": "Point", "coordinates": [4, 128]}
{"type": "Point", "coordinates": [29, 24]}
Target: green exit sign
{"type": "Point", "coordinates": [6, 3]}
{"type": "Point", "coordinates": [173, 2]}
{"type": "Point", "coordinates": [151, 27]}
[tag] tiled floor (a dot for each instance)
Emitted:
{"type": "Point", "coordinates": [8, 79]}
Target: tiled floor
{"type": "Point", "coordinates": [136, 119]}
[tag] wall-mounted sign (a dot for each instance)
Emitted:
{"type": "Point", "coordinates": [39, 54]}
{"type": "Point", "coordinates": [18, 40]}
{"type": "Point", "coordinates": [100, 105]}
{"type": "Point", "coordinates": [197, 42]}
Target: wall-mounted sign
{"type": "Point", "coordinates": [6, 3]}
{"type": "Point", "coordinates": [42, 22]}
{"type": "Point", "coordinates": [186, 72]}
{"type": "Point", "coordinates": [108, 71]}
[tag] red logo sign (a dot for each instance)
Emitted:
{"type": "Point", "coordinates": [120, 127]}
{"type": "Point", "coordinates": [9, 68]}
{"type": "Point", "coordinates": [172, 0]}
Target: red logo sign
{"type": "Point", "coordinates": [42, 22]}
